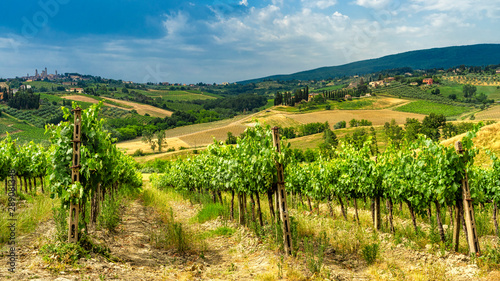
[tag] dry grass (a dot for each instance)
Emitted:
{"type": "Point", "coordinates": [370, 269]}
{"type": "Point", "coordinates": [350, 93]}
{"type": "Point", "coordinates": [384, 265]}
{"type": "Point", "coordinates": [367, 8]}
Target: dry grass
{"type": "Point", "coordinates": [89, 100]}
{"type": "Point", "coordinates": [491, 113]}
{"type": "Point", "coordinates": [206, 137]}
{"type": "Point", "coordinates": [387, 102]}
{"type": "Point", "coordinates": [378, 117]}
{"type": "Point", "coordinates": [145, 108]}
{"type": "Point", "coordinates": [131, 146]}
{"type": "Point", "coordinates": [274, 119]}
{"type": "Point", "coordinates": [487, 138]}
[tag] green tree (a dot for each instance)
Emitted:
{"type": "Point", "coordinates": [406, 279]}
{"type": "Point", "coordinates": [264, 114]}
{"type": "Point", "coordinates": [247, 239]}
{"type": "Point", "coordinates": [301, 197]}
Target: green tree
{"type": "Point", "coordinates": [147, 137]}
{"type": "Point", "coordinates": [394, 132]}
{"type": "Point", "coordinates": [413, 127]}
{"type": "Point", "coordinates": [161, 139]}
{"type": "Point", "coordinates": [469, 90]}
{"type": "Point", "coordinates": [231, 139]}
{"type": "Point", "coordinates": [432, 124]}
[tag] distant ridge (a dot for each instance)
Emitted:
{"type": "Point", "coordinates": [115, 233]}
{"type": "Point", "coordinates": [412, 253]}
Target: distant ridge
{"type": "Point", "coordinates": [471, 55]}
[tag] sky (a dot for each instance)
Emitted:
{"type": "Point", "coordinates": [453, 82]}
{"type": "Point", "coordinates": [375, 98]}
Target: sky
{"type": "Point", "coordinates": [215, 41]}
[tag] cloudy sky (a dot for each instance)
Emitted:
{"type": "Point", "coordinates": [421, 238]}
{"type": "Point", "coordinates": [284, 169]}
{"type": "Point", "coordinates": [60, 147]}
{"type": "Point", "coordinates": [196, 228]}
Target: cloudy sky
{"type": "Point", "coordinates": [227, 40]}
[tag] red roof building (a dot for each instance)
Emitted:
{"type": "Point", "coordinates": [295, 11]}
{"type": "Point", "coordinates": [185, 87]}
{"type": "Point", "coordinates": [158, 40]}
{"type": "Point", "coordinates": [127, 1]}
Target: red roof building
{"type": "Point", "coordinates": [428, 81]}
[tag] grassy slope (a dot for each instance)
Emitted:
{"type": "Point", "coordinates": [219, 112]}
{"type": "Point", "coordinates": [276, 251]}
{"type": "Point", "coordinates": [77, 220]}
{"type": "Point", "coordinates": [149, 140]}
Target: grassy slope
{"type": "Point", "coordinates": [428, 107]}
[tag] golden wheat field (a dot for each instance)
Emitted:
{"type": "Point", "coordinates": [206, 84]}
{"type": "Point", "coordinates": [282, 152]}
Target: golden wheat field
{"type": "Point", "coordinates": [490, 113]}
{"type": "Point", "coordinates": [377, 117]}
{"type": "Point", "coordinates": [90, 100]}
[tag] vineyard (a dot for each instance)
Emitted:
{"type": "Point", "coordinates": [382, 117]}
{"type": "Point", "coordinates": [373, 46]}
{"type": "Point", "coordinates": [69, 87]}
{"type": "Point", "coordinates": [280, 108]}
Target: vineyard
{"type": "Point", "coordinates": [424, 176]}
{"type": "Point", "coordinates": [253, 211]}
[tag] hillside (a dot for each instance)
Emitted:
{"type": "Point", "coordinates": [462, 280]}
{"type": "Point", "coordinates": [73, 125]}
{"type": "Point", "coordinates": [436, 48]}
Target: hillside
{"type": "Point", "coordinates": [421, 59]}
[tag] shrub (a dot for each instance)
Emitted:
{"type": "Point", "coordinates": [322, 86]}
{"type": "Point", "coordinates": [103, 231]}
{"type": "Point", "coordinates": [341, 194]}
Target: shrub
{"type": "Point", "coordinates": [339, 125]}
{"type": "Point", "coordinates": [109, 217]}
{"type": "Point", "coordinates": [370, 253]}
{"type": "Point", "coordinates": [138, 152]}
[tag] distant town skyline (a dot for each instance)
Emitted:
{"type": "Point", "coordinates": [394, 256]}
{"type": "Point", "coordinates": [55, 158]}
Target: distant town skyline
{"type": "Point", "coordinates": [228, 40]}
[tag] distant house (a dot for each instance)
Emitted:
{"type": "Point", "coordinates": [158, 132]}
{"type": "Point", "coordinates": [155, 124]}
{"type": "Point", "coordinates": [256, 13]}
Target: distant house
{"type": "Point", "coordinates": [76, 90]}
{"type": "Point", "coordinates": [498, 71]}
{"type": "Point", "coordinates": [25, 87]}
{"type": "Point", "coordinates": [376, 84]}
{"type": "Point", "coordinates": [311, 96]}
{"type": "Point", "coordinates": [1, 95]}
{"type": "Point", "coordinates": [389, 79]}
{"type": "Point", "coordinates": [69, 83]}
{"type": "Point", "coordinates": [428, 81]}
{"type": "Point", "coordinates": [15, 91]}
{"type": "Point", "coordinates": [348, 97]}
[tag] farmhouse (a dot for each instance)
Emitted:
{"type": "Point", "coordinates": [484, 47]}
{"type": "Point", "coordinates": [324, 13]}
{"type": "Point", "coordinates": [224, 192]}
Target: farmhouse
{"type": "Point", "coordinates": [389, 79]}
{"type": "Point", "coordinates": [68, 83]}
{"type": "Point", "coordinates": [25, 87]}
{"type": "Point", "coordinates": [428, 81]}
{"type": "Point", "coordinates": [1, 95]}
{"type": "Point", "coordinates": [498, 71]}
{"type": "Point", "coordinates": [312, 95]}
{"type": "Point", "coordinates": [76, 90]}
{"type": "Point", "coordinates": [376, 84]}
{"type": "Point", "coordinates": [348, 97]}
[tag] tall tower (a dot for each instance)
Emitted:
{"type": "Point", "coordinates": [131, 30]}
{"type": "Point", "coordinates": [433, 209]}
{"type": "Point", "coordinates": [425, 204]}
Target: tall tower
{"type": "Point", "coordinates": [36, 73]}
{"type": "Point", "coordinates": [56, 72]}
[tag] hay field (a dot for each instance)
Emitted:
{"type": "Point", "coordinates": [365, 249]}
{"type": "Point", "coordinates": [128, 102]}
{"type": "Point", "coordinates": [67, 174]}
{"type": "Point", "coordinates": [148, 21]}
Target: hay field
{"type": "Point", "coordinates": [387, 102]}
{"type": "Point", "coordinates": [272, 119]}
{"type": "Point", "coordinates": [378, 117]}
{"type": "Point", "coordinates": [491, 113]}
{"type": "Point", "coordinates": [3, 85]}
{"type": "Point", "coordinates": [131, 146]}
{"type": "Point", "coordinates": [90, 100]}
{"type": "Point", "coordinates": [144, 108]}
{"type": "Point", "coordinates": [206, 137]}
{"type": "Point", "coordinates": [487, 138]}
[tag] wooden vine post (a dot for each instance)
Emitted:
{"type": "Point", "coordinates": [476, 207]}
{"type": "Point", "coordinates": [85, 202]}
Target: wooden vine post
{"type": "Point", "coordinates": [281, 195]}
{"type": "Point", "coordinates": [75, 177]}
{"type": "Point", "coordinates": [470, 222]}
{"type": "Point", "coordinates": [376, 214]}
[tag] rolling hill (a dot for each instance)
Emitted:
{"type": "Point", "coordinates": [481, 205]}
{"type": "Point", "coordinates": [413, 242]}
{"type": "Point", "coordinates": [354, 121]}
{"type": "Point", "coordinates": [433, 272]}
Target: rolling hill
{"type": "Point", "coordinates": [482, 54]}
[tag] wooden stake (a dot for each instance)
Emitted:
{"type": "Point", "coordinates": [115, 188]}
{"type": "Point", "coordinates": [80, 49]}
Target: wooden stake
{"type": "Point", "coordinates": [283, 209]}
{"type": "Point", "coordinates": [470, 222]}
{"type": "Point", "coordinates": [75, 177]}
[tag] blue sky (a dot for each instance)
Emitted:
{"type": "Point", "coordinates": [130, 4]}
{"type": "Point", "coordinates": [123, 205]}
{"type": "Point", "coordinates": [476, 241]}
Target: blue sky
{"type": "Point", "coordinates": [227, 40]}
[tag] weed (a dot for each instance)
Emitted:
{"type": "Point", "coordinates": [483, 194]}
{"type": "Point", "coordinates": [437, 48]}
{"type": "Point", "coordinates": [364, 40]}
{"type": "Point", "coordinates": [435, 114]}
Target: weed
{"type": "Point", "coordinates": [109, 217]}
{"type": "Point", "coordinates": [370, 253]}
{"type": "Point", "coordinates": [211, 211]}
{"type": "Point", "coordinates": [67, 253]}
{"type": "Point", "coordinates": [60, 219]}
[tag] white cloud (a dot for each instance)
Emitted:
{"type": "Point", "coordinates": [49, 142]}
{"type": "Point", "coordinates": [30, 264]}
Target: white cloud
{"type": "Point", "coordinates": [175, 23]}
{"type": "Point", "coordinates": [321, 4]}
{"type": "Point", "coordinates": [466, 8]}
{"type": "Point", "coordinates": [374, 4]}
{"type": "Point", "coordinates": [244, 3]}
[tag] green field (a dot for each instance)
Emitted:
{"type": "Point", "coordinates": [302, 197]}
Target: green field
{"type": "Point", "coordinates": [329, 88]}
{"type": "Point", "coordinates": [354, 104]}
{"type": "Point", "coordinates": [491, 91]}
{"type": "Point", "coordinates": [39, 84]}
{"type": "Point", "coordinates": [25, 132]}
{"type": "Point", "coordinates": [427, 107]}
{"type": "Point", "coordinates": [175, 95]}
